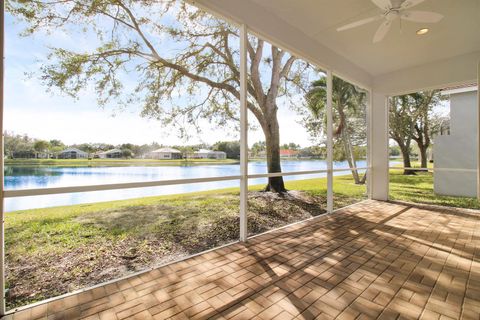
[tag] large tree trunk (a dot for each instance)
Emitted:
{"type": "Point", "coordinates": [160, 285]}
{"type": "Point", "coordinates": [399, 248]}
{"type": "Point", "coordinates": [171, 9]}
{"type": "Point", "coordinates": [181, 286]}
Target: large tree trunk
{"type": "Point", "coordinates": [272, 139]}
{"type": "Point", "coordinates": [406, 160]}
{"type": "Point", "coordinates": [423, 157]}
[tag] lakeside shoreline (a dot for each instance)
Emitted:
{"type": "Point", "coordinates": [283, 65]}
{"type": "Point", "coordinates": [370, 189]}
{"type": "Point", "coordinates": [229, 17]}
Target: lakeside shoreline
{"type": "Point", "coordinates": [115, 162]}
{"type": "Point", "coordinates": [19, 177]}
{"type": "Point", "coordinates": [137, 162]}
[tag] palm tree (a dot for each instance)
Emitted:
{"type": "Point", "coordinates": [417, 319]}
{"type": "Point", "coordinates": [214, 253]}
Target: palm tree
{"type": "Point", "coordinates": [347, 101]}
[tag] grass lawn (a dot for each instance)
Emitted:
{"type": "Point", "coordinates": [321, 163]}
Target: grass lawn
{"type": "Point", "coordinates": [56, 250]}
{"type": "Point", "coordinates": [114, 162]}
{"type": "Point", "coordinates": [418, 188]}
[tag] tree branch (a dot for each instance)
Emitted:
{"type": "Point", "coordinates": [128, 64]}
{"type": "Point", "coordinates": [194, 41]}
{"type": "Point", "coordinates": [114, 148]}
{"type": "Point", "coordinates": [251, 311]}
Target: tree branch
{"type": "Point", "coordinates": [256, 58]}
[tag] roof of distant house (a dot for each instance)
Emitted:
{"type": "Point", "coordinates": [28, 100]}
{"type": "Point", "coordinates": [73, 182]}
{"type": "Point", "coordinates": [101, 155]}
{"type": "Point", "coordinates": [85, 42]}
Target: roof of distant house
{"type": "Point", "coordinates": [110, 151]}
{"type": "Point", "coordinates": [73, 150]}
{"type": "Point", "coordinates": [203, 151]}
{"type": "Point", "coordinates": [288, 152]}
{"type": "Point", "coordinates": [208, 151]}
{"type": "Point", "coordinates": [166, 150]}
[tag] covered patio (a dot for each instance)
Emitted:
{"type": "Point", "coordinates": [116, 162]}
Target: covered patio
{"type": "Point", "coordinates": [373, 260]}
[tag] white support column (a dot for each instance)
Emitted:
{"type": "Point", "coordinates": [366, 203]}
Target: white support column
{"type": "Point", "coordinates": [379, 146]}
{"type": "Point", "coordinates": [243, 134]}
{"type": "Point", "coordinates": [329, 143]}
{"type": "Point", "coordinates": [2, 207]}
{"type": "Point", "coordinates": [478, 131]}
{"type": "Point", "coordinates": [369, 144]}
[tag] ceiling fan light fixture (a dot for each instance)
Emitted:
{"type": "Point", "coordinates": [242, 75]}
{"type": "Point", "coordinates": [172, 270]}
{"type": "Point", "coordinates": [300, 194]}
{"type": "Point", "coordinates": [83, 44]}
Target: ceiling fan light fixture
{"type": "Point", "coordinates": [393, 10]}
{"type": "Point", "coordinates": [422, 31]}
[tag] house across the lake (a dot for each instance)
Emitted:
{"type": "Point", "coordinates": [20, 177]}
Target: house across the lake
{"type": "Point", "coordinates": [287, 153]}
{"type": "Point", "coordinates": [109, 154]}
{"type": "Point", "coordinates": [165, 154]}
{"type": "Point", "coordinates": [208, 154]}
{"type": "Point", "coordinates": [284, 153]}
{"type": "Point", "coordinates": [30, 154]}
{"type": "Point", "coordinates": [72, 153]}
{"type": "Point", "coordinates": [456, 153]}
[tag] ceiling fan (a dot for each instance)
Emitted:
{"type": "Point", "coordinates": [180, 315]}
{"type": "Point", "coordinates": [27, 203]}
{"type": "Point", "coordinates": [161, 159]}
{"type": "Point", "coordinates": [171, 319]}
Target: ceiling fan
{"type": "Point", "coordinates": [392, 10]}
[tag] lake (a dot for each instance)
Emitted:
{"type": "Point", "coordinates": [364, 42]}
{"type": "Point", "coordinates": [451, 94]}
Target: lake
{"type": "Point", "coordinates": [33, 177]}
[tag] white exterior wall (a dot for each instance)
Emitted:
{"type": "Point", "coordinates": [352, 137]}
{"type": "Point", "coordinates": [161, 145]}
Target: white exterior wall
{"type": "Point", "coordinates": [459, 149]}
{"type": "Point", "coordinates": [200, 155]}
{"type": "Point", "coordinates": [219, 155]}
{"type": "Point", "coordinates": [161, 155]}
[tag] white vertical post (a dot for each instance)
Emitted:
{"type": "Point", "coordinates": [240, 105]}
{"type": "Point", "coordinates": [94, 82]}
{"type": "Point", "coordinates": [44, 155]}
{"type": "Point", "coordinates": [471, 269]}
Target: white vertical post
{"type": "Point", "coordinates": [2, 208]}
{"type": "Point", "coordinates": [379, 147]}
{"type": "Point", "coordinates": [243, 134]}
{"type": "Point", "coordinates": [329, 143]}
{"type": "Point", "coordinates": [478, 131]}
{"type": "Point", "coordinates": [369, 144]}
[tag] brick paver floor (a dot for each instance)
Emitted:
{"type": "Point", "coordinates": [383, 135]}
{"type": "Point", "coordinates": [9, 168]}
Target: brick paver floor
{"type": "Point", "coordinates": [373, 260]}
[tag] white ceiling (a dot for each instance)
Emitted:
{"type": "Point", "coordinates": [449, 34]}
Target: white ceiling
{"type": "Point", "coordinates": [457, 34]}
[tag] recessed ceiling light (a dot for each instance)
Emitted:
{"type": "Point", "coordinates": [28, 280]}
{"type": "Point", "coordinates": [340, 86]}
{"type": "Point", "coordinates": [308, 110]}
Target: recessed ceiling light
{"type": "Point", "coordinates": [422, 31]}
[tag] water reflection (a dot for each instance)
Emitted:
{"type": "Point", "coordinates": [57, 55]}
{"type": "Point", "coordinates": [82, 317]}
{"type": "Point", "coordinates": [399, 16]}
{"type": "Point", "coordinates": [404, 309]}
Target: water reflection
{"type": "Point", "coordinates": [27, 177]}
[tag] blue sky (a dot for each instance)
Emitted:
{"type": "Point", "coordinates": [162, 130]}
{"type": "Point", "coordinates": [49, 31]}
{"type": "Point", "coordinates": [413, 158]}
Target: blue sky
{"type": "Point", "coordinates": [30, 109]}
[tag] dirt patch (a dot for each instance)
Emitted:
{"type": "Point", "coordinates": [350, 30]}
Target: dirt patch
{"type": "Point", "coordinates": [136, 238]}
{"type": "Point", "coordinates": [268, 210]}
{"type": "Point", "coordinates": [40, 276]}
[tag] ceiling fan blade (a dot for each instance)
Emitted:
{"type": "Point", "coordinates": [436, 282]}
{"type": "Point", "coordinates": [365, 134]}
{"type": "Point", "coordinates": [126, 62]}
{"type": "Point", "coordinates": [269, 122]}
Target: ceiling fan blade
{"type": "Point", "coordinates": [359, 23]}
{"type": "Point", "coordinates": [410, 3]}
{"type": "Point", "coordinates": [382, 31]}
{"type": "Point", "coordinates": [383, 4]}
{"type": "Point", "coordinates": [422, 16]}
